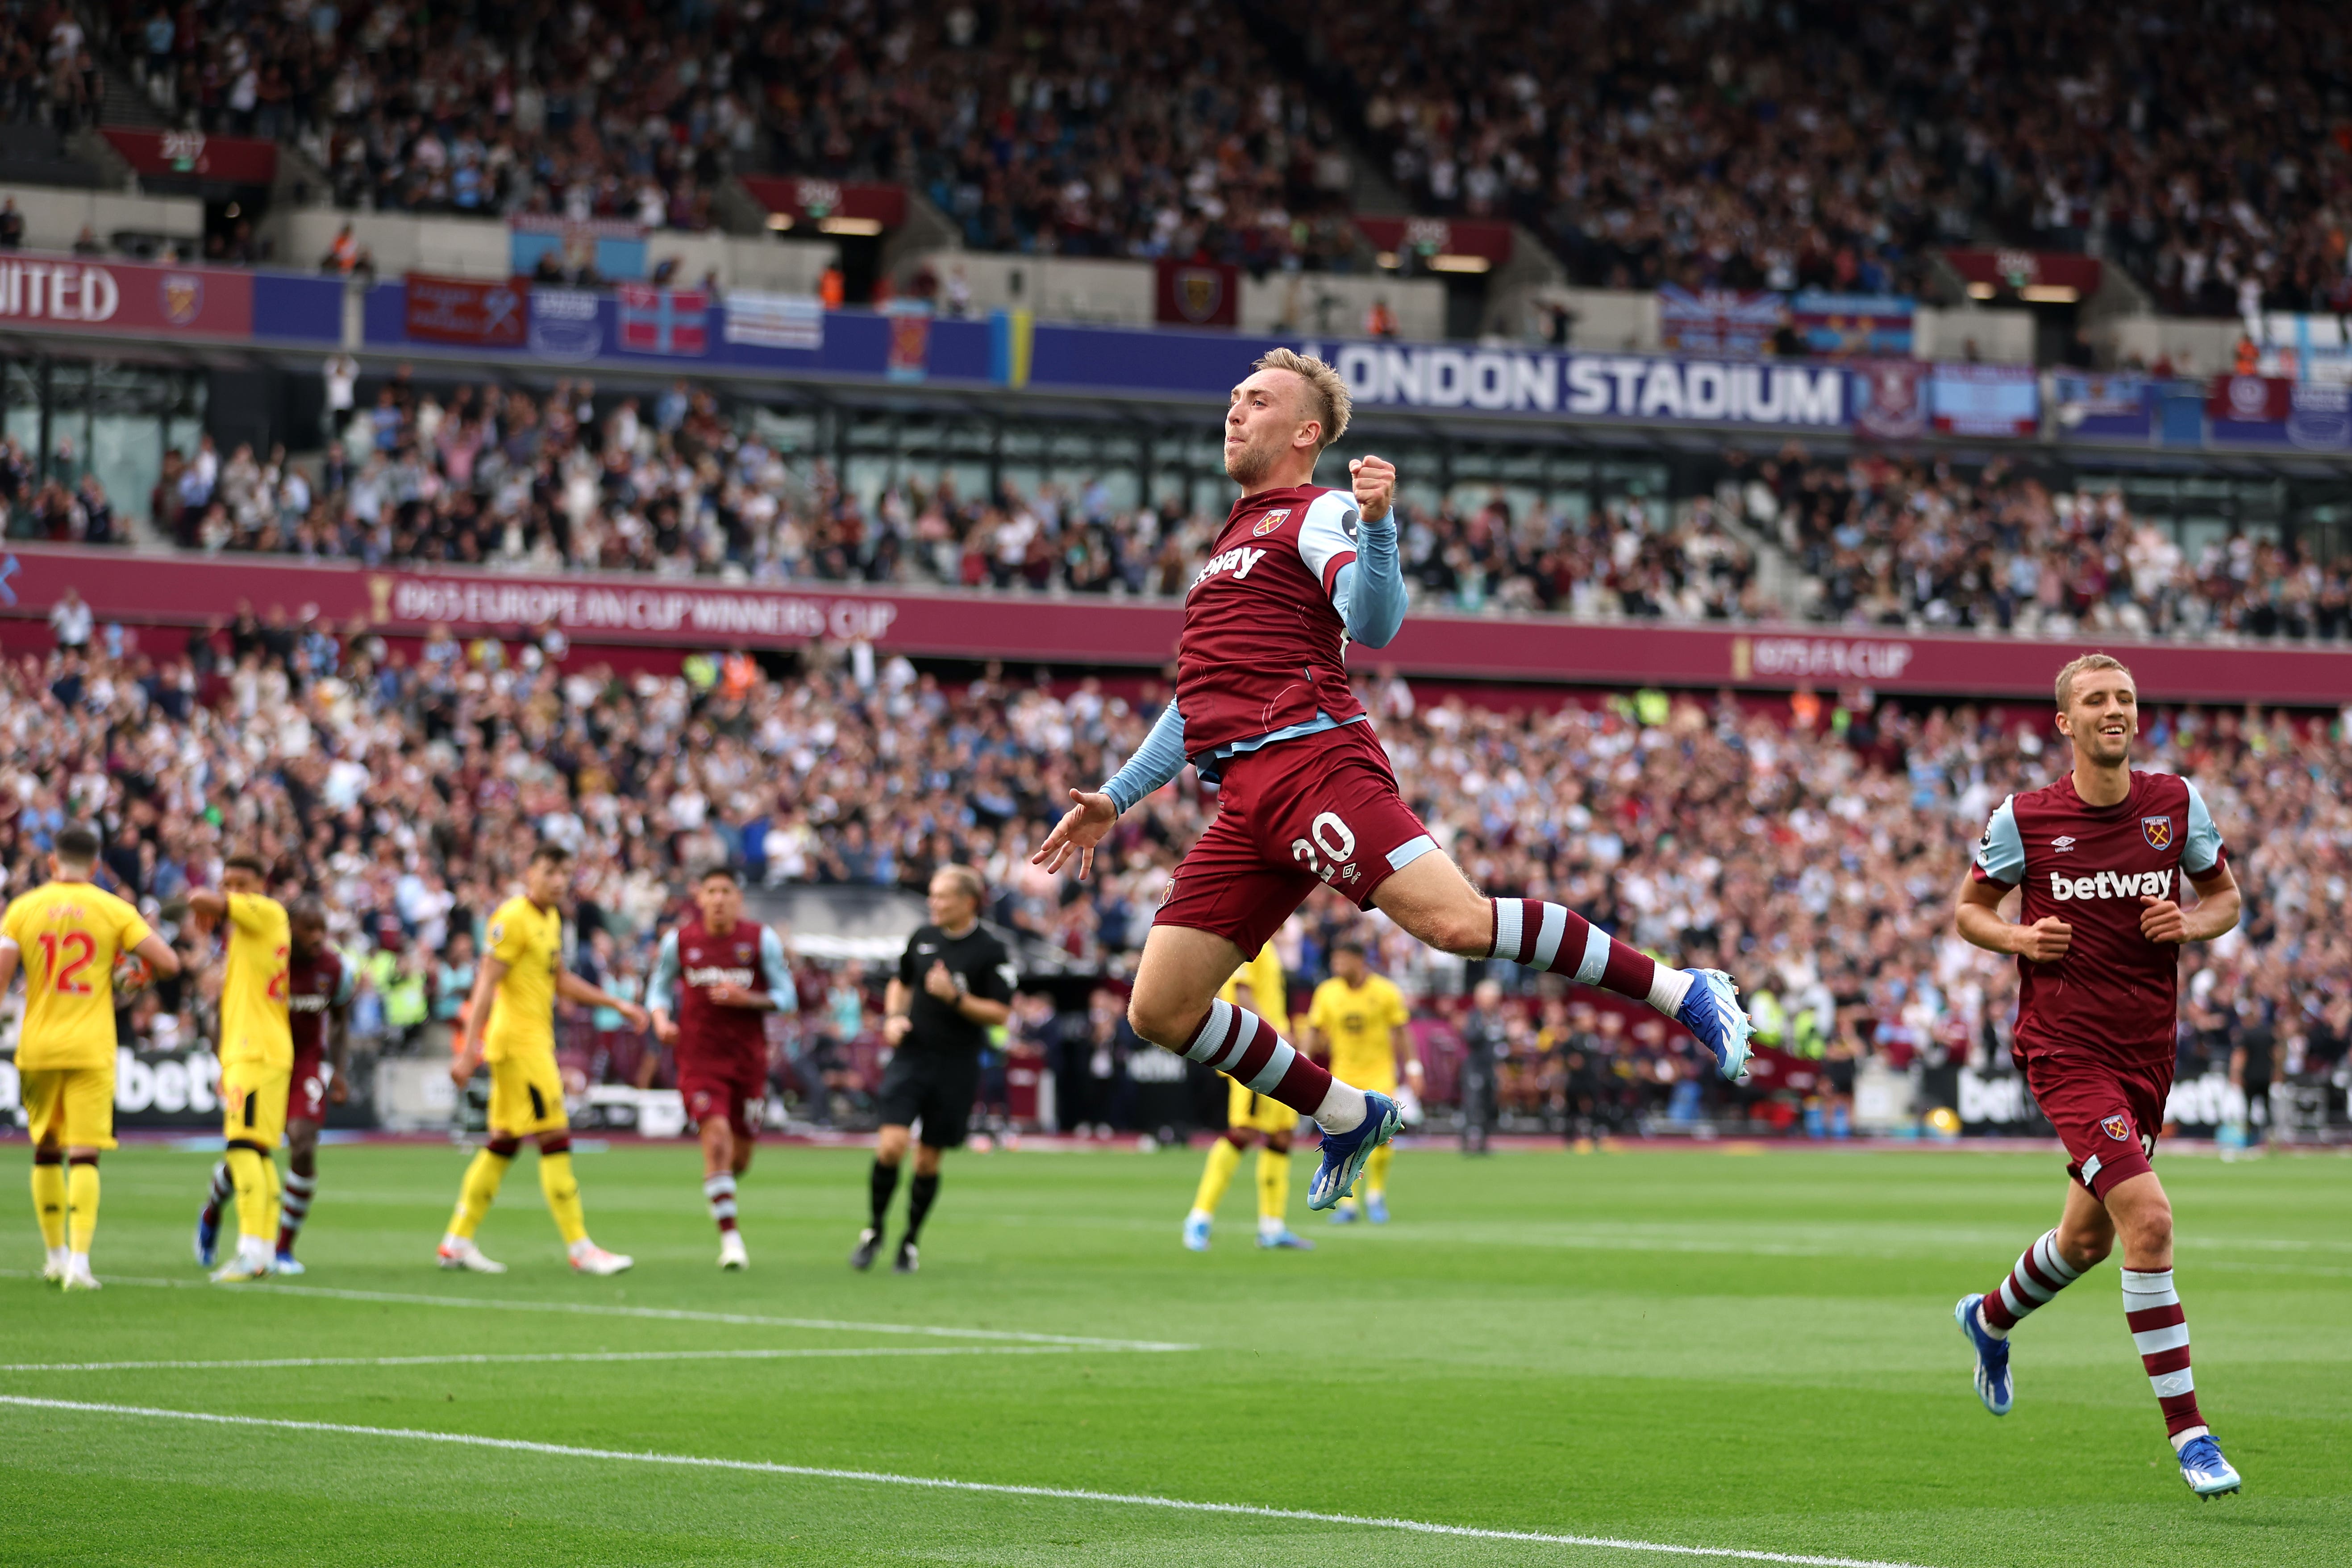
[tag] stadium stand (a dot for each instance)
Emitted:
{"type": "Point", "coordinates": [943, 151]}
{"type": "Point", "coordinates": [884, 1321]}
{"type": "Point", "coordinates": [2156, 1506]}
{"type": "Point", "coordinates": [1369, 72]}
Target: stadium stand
{"type": "Point", "coordinates": [498, 476]}
{"type": "Point", "coordinates": [1828, 145]}
{"type": "Point", "coordinates": [1811, 846]}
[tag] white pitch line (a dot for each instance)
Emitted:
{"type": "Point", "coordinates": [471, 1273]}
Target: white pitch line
{"type": "Point", "coordinates": [886, 1477]}
{"type": "Point", "coordinates": [669, 1315]}
{"type": "Point", "coordinates": [825, 1354]}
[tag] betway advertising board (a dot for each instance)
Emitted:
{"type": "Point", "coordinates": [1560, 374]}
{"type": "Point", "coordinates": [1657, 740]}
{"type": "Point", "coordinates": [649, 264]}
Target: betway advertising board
{"type": "Point", "coordinates": [169, 590]}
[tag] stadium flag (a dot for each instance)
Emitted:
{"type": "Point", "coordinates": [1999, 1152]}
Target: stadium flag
{"type": "Point", "coordinates": [910, 339]}
{"type": "Point", "coordinates": [1890, 400]}
{"type": "Point", "coordinates": [1854, 324]}
{"type": "Point", "coordinates": [664, 320]}
{"type": "Point", "coordinates": [464, 310]}
{"type": "Point", "coordinates": [1197, 293]}
{"type": "Point", "coordinates": [773, 320]}
{"type": "Point", "coordinates": [1716, 320]}
{"type": "Point", "coordinates": [1984, 400]}
{"type": "Point", "coordinates": [1010, 336]}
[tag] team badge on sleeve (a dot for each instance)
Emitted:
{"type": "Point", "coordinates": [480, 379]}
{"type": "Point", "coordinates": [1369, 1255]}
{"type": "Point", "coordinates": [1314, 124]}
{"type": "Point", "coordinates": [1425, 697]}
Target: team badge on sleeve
{"type": "Point", "coordinates": [2117, 1127]}
{"type": "Point", "coordinates": [2158, 831]}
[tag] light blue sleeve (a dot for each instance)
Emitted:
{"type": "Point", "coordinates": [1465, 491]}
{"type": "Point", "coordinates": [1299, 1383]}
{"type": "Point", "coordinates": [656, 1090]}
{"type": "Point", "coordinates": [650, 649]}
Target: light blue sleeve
{"type": "Point", "coordinates": [1369, 590]}
{"type": "Point", "coordinates": [1158, 759]}
{"type": "Point", "coordinates": [779, 973]}
{"type": "Point", "coordinates": [2000, 853]}
{"type": "Point", "coordinates": [2202, 850]}
{"type": "Point", "coordinates": [658, 985]}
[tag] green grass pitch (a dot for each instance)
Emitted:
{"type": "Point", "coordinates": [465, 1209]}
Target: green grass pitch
{"type": "Point", "coordinates": [1754, 1355]}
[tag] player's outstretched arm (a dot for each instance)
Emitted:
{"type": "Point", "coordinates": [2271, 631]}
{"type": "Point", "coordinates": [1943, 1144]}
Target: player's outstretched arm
{"type": "Point", "coordinates": [571, 988]}
{"type": "Point", "coordinates": [1977, 920]}
{"type": "Point", "coordinates": [659, 986]}
{"type": "Point", "coordinates": [2216, 912]}
{"type": "Point", "coordinates": [1092, 814]}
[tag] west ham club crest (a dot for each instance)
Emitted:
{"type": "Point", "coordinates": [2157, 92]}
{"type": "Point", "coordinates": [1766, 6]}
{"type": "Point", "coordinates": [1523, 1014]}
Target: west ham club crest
{"type": "Point", "coordinates": [2158, 831]}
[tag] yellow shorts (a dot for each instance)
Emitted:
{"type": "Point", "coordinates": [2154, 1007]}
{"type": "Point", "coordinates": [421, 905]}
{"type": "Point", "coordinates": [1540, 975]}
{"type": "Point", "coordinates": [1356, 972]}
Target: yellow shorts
{"type": "Point", "coordinates": [527, 1095]}
{"type": "Point", "coordinates": [253, 1103]}
{"type": "Point", "coordinates": [1246, 1109]}
{"type": "Point", "coordinates": [69, 1108]}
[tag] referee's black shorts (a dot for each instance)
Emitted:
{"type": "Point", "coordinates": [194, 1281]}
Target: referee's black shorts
{"type": "Point", "coordinates": [936, 1088]}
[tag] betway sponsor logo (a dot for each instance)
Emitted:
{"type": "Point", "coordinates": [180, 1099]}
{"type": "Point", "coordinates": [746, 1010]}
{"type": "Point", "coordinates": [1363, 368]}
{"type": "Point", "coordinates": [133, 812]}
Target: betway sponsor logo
{"type": "Point", "coordinates": [1828, 657]}
{"type": "Point", "coordinates": [2111, 885]}
{"type": "Point", "coordinates": [711, 975]}
{"type": "Point", "coordinates": [427, 600]}
{"type": "Point", "coordinates": [1620, 386]}
{"type": "Point", "coordinates": [1236, 561]}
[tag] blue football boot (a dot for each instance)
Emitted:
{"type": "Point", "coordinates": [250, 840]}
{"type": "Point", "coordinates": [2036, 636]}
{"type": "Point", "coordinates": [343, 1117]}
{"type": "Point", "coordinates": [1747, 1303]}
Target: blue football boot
{"type": "Point", "coordinates": [2203, 1468]}
{"type": "Point", "coordinates": [1993, 1383]}
{"type": "Point", "coordinates": [1284, 1240]}
{"type": "Point", "coordinates": [1196, 1233]}
{"type": "Point", "coordinates": [1344, 1154]}
{"type": "Point", "coordinates": [1710, 1013]}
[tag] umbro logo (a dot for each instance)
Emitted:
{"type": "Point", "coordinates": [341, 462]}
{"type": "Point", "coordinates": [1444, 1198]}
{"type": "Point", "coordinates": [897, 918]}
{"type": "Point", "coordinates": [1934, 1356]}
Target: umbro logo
{"type": "Point", "coordinates": [2062, 844]}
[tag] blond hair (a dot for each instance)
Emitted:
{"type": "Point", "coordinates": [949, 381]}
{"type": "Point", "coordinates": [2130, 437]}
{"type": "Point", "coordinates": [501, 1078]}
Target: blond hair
{"type": "Point", "coordinates": [2084, 666]}
{"type": "Point", "coordinates": [968, 880]}
{"type": "Point", "coordinates": [1327, 402]}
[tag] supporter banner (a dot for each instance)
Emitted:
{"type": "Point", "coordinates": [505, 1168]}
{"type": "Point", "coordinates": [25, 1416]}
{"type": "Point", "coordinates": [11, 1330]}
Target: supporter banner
{"type": "Point", "coordinates": [2111, 408]}
{"type": "Point", "coordinates": [614, 251]}
{"type": "Point", "coordinates": [1718, 321]}
{"type": "Point", "coordinates": [910, 339]}
{"type": "Point", "coordinates": [1984, 400]}
{"type": "Point", "coordinates": [170, 590]}
{"type": "Point", "coordinates": [1197, 293]}
{"type": "Point", "coordinates": [117, 297]}
{"type": "Point", "coordinates": [1890, 399]}
{"type": "Point", "coordinates": [834, 206]}
{"type": "Point", "coordinates": [1454, 240]}
{"type": "Point", "coordinates": [675, 321]}
{"type": "Point", "coordinates": [2259, 411]}
{"type": "Point", "coordinates": [1841, 324]}
{"type": "Point", "coordinates": [191, 155]}
{"type": "Point", "coordinates": [775, 321]}
{"type": "Point", "coordinates": [464, 310]}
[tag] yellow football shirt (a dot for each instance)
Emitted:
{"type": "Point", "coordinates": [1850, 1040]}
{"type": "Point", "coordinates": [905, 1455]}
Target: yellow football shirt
{"type": "Point", "coordinates": [1359, 1025]}
{"type": "Point", "coordinates": [252, 991]}
{"type": "Point", "coordinates": [1263, 975]}
{"type": "Point", "coordinates": [67, 936]}
{"type": "Point", "coordinates": [530, 941]}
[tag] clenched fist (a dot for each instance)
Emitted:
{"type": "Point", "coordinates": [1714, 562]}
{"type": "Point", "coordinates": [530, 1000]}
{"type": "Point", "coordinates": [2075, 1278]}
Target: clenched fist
{"type": "Point", "coordinates": [1375, 482]}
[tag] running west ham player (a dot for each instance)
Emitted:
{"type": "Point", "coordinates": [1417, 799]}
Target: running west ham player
{"type": "Point", "coordinates": [2100, 855]}
{"type": "Point", "coordinates": [728, 973]}
{"type": "Point", "coordinates": [319, 990]}
{"type": "Point", "coordinates": [1263, 703]}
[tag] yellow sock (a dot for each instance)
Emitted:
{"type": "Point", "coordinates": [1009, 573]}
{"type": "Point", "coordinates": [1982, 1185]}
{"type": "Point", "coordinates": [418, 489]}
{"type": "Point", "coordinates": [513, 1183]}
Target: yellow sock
{"type": "Point", "coordinates": [1223, 1160]}
{"type": "Point", "coordinates": [562, 1190]}
{"type": "Point", "coordinates": [81, 1205]}
{"type": "Point", "coordinates": [256, 1211]}
{"type": "Point", "coordinates": [1273, 1185]}
{"type": "Point", "coordinates": [1376, 1171]}
{"type": "Point", "coordinates": [49, 1204]}
{"type": "Point", "coordinates": [480, 1188]}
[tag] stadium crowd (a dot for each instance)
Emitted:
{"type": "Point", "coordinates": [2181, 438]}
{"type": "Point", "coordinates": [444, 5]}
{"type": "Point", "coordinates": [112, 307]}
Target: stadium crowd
{"type": "Point", "coordinates": [1746, 146]}
{"type": "Point", "coordinates": [1916, 544]}
{"type": "Point", "coordinates": [500, 476]}
{"type": "Point", "coordinates": [1811, 846]}
{"type": "Point", "coordinates": [1827, 145]}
